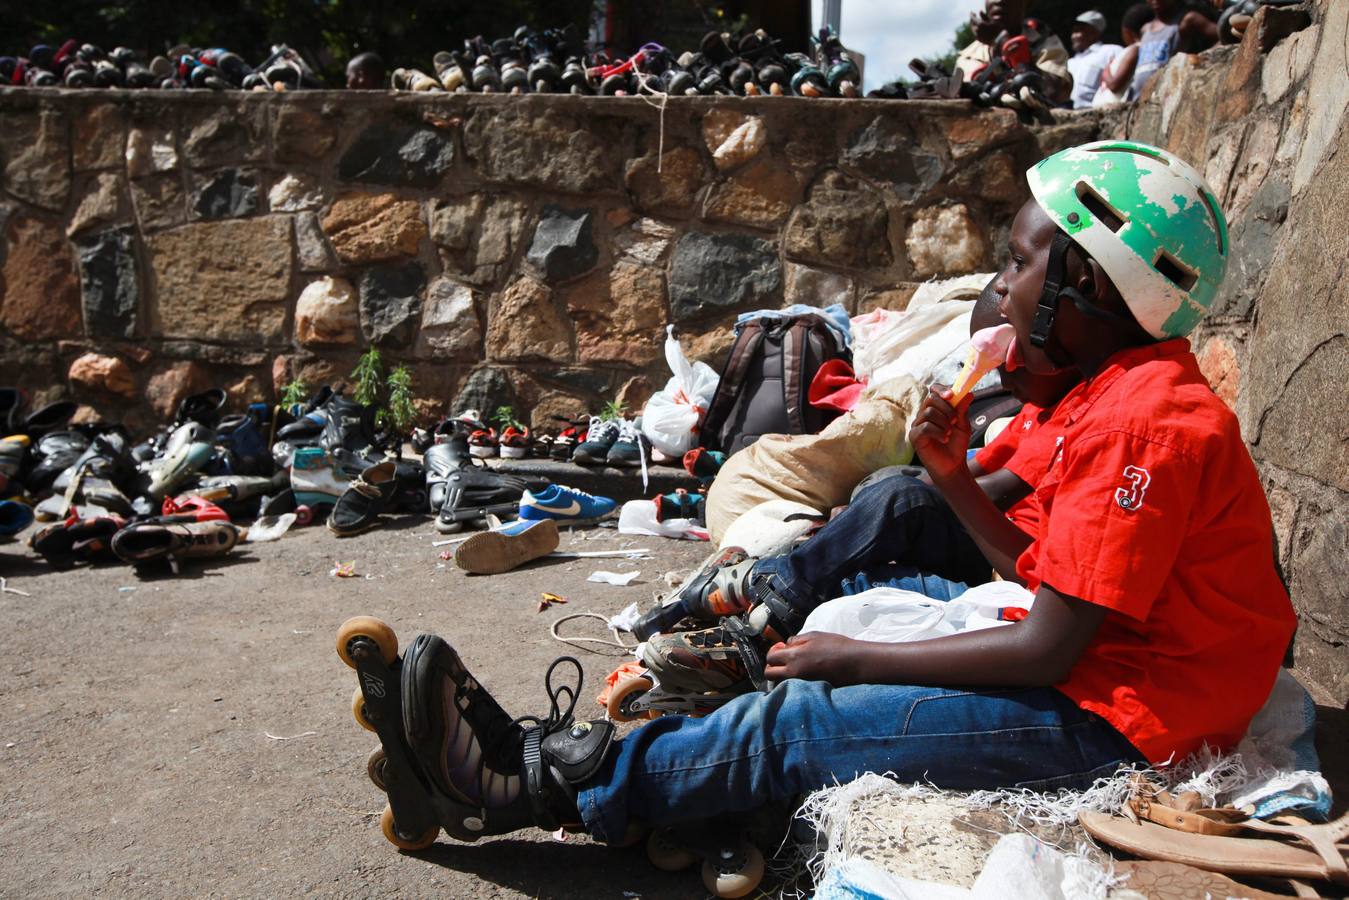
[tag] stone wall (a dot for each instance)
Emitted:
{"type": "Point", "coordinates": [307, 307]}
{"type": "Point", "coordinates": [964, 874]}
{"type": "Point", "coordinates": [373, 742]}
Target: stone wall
{"type": "Point", "coordinates": [530, 250]}
{"type": "Point", "coordinates": [511, 250]}
{"type": "Point", "coordinates": [1269, 131]}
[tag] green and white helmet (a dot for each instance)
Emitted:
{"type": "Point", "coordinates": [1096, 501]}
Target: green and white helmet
{"type": "Point", "coordinates": [1148, 218]}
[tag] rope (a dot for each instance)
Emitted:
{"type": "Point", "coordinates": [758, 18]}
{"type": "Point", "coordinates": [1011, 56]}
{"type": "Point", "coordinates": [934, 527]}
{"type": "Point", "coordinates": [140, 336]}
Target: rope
{"type": "Point", "coordinates": [643, 90]}
{"type": "Point", "coordinates": [578, 641]}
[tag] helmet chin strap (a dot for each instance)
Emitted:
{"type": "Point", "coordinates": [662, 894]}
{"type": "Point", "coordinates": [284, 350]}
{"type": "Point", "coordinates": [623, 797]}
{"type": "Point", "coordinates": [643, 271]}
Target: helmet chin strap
{"type": "Point", "coordinates": [1055, 290]}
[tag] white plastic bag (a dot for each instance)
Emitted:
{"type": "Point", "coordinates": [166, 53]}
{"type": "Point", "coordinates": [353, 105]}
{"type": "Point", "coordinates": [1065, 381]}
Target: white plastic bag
{"type": "Point", "coordinates": [892, 616]}
{"type": "Point", "coordinates": [673, 415]}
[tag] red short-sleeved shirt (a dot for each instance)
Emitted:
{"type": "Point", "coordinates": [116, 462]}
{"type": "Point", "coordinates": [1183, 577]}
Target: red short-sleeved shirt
{"type": "Point", "coordinates": [1026, 448]}
{"type": "Point", "coordinates": [1155, 511]}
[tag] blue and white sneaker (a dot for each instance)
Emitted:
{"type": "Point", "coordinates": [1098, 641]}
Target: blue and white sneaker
{"type": "Point", "coordinates": [564, 503]}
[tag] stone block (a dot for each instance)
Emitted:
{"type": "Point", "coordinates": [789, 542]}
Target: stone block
{"type": "Point", "coordinates": [619, 315]}
{"type": "Point", "coordinates": [1240, 91]}
{"type": "Point", "coordinates": [526, 324]}
{"type": "Point", "coordinates": [151, 149]}
{"type": "Point", "coordinates": [1288, 63]}
{"type": "Point", "coordinates": [634, 393]}
{"type": "Point", "coordinates": [36, 153]}
{"type": "Point", "coordinates": [99, 136]}
{"type": "Point", "coordinates": [403, 155]}
{"type": "Point", "coordinates": [1302, 430]}
{"type": "Point", "coordinates": [224, 281]}
{"type": "Point", "coordinates": [103, 203]}
{"type": "Point", "coordinates": [711, 345]}
{"type": "Point", "coordinates": [450, 326]}
{"type": "Point", "coordinates": [817, 287]}
{"type": "Point", "coordinates": [1250, 169]}
{"type": "Point", "coordinates": [226, 134]}
{"type": "Point", "coordinates": [1274, 23]}
{"type": "Point", "coordinates": [973, 135]}
{"type": "Point", "coordinates": [556, 403]}
{"type": "Point", "coordinates": [367, 228]}
{"type": "Point", "coordinates": [167, 388]}
{"type": "Point", "coordinates": [1327, 92]}
{"type": "Point", "coordinates": [295, 192]}
{"type": "Point", "coordinates": [946, 241]}
{"type": "Point", "coordinates": [480, 235]}
{"type": "Point", "coordinates": [896, 298]}
{"type": "Point", "coordinates": [314, 252]}
{"type": "Point", "coordinates": [530, 141]}
{"type": "Point", "coordinates": [109, 282]}
{"type": "Point", "coordinates": [1218, 361]}
{"type": "Point", "coordinates": [996, 177]}
{"type": "Point", "coordinates": [327, 313]}
{"type": "Point", "coordinates": [843, 223]}
{"type": "Point", "coordinates": [487, 389]}
{"type": "Point", "coordinates": [1255, 238]}
{"type": "Point", "coordinates": [716, 272]}
{"type": "Point", "coordinates": [563, 247]}
{"type": "Point", "coordinates": [41, 299]}
{"type": "Point", "coordinates": [669, 184]}
{"type": "Point", "coordinates": [645, 241]}
{"type": "Point", "coordinates": [229, 194]}
{"type": "Point", "coordinates": [742, 144]}
{"type": "Point", "coordinates": [159, 200]}
{"type": "Point", "coordinates": [391, 303]}
{"type": "Point", "coordinates": [96, 372]}
{"type": "Point", "coordinates": [891, 152]}
{"type": "Point", "coordinates": [301, 134]}
{"type": "Point", "coordinates": [760, 195]}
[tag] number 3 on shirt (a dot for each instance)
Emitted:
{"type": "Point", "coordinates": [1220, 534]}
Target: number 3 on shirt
{"type": "Point", "coordinates": [1131, 495]}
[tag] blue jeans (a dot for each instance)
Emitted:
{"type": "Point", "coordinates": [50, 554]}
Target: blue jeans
{"type": "Point", "coordinates": [764, 748]}
{"type": "Point", "coordinates": [898, 520]}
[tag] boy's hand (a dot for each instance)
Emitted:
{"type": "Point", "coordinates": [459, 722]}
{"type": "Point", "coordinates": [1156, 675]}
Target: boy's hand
{"type": "Point", "coordinates": [941, 433]}
{"type": "Point", "coordinates": [817, 656]}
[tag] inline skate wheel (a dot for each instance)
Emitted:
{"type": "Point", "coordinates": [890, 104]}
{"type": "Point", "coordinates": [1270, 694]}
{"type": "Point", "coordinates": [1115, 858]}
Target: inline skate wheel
{"type": "Point", "coordinates": [358, 710]}
{"type": "Point", "coordinates": [386, 824]}
{"type": "Point", "coordinates": [367, 628]}
{"type": "Point", "coordinates": [621, 697]}
{"type": "Point", "coordinates": [303, 515]}
{"type": "Point", "coordinates": [665, 854]}
{"type": "Point", "coordinates": [374, 767]}
{"type": "Point", "coordinates": [734, 873]}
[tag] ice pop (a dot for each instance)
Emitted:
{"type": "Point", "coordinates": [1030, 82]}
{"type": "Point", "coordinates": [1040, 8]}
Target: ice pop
{"type": "Point", "coordinates": [988, 350]}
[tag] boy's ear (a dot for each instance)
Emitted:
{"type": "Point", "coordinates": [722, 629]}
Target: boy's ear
{"type": "Point", "coordinates": [1094, 284]}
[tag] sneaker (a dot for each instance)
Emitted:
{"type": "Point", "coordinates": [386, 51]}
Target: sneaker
{"type": "Point", "coordinates": [515, 442]}
{"type": "Point", "coordinates": [704, 464]}
{"type": "Point", "coordinates": [14, 517]}
{"type": "Point", "coordinates": [313, 479]}
{"type": "Point", "coordinates": [191, 508]}
{"type": "Point", "coordinates": [711, 659]}
{"type": "Point", "coordinates": [505, 548]}
{"type": "Point", "coordinates": [360, 506]}
{"type": "Point", "coordinates": [483, 443]}
{"type": "Point", "coordinates": [600, 438]}
{"type": "Point", "coordinates": [152, 541]}
{"type": "Point", "coordinates": [188, 451]}
{"type": "Point", "coordinates": [631, 448]}
{"type": "Point", "coordinates": [680, 505]}
{"type": "Point", "coordinates": [559, 502]}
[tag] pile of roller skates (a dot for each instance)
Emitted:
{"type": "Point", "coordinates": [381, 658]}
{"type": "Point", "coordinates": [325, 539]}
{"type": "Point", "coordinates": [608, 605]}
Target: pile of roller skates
{"type": "Point", "coordinates": [558, 61]}
{"type": "Point", "coordinates": [76, 65]}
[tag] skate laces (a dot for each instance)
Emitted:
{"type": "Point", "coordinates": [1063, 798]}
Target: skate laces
{"type": "Point", "coordinates": [558, 717]}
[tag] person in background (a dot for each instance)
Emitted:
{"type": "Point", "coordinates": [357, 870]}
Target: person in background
{"type": "Point", "coordinates": [1117, 78]}
{"type": "Point", "coordinates": [365, 72]}
{"type": "Point", "coordinates": [1173, 29]}
{"type": "Point", "coordinates": [1090, 57]}
{"type": "Point", "coordinates": [1001, 19]}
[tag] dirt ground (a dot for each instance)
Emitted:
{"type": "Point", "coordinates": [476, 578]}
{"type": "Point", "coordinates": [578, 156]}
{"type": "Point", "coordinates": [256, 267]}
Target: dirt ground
{"type": "Point", "coordinates": [192, 735]}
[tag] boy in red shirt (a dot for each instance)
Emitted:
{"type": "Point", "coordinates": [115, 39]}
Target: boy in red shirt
{"type": "Point", "coordinates": [1158, 624]}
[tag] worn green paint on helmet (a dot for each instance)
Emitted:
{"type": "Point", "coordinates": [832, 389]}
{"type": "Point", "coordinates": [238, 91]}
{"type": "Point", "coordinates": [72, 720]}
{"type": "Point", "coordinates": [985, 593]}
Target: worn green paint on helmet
{"type": "Point", "coordinates": [1148, 218]}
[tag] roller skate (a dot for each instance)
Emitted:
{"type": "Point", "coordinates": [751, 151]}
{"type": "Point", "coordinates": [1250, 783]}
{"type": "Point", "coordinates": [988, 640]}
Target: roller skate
{"type": "Point", "coordinates": [449, 756]}
{"type": "Point", "coordinates": [841, 73]}
{"type": "Point", "coordinates": [720, 588]}
{"type": "Point", "coordinates": [732, 863]}
{"type": "Point", "coordinates": [690, 673]}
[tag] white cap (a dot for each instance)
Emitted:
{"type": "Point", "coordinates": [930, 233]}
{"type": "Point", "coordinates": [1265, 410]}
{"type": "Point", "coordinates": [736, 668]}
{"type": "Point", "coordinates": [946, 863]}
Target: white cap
{"type": "Point", "coordinates": [1094, 19]}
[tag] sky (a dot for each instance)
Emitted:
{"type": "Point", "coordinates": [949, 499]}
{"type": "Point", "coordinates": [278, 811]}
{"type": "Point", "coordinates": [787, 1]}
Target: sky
{"type": "Point", "coordinates": [891, 32]}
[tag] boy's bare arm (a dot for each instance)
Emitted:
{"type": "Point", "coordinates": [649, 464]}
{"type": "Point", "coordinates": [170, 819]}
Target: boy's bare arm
{"type": "Point", "coordinates": [1037, 652]}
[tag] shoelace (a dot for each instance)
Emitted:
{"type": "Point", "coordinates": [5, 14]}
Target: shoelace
{"type": "Point", "coordinates": [602, 430]}
{"type": "Point", "coordinates": [629, 431]}
{"type": "Point", "coordinates": [557, 718]}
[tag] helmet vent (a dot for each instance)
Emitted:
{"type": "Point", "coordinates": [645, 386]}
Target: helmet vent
{"type": "Point", "coordinates": [1175, 272]}
{"type": "Point", "coordinates": [1102, 211]}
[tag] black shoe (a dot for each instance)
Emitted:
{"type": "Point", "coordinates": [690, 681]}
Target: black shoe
{"type": "Point", "coordinates": [472, 492]}
{"type": "Point", "coordinates": [600, 438]}
{"type": "Point", "coordinates": [350, 426]}
{"type": "Point", "coordinates": [52, 417]}
{"type": "Point", "coordinates": [360, 507]}
{"type": "Point", "coordinates": [54, 453]}
{"type": "Point", "coordinates": [77, 540]}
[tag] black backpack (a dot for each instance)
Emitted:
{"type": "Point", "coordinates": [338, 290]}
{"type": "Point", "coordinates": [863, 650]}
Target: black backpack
{"type": "Point", "coordinates": [764, 384]}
